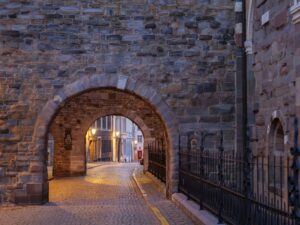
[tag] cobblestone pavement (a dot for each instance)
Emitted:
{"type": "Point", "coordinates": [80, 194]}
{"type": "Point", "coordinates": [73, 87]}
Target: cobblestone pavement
{"type": "Point", "coordinates": [107, 195]}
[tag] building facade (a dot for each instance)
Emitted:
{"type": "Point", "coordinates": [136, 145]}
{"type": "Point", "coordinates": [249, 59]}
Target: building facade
{"type": "Point", "coordinates": [114, 138]}
{"type": "Point", "coordinates": [273, 71]}
{"type": "Point", "coordinates": [169, 66]}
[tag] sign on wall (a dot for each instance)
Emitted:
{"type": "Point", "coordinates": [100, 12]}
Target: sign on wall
{"type": "Point", "coordinates": [68, 139]}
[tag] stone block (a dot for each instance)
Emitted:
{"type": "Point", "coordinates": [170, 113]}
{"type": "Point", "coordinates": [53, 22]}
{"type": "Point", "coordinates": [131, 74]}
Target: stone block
{"type": "Point", "coordinates": [150, 26]}
{"type": "Point", "coordinates": [171, 88]}
{"type": "Point", "coordinates": [2, 172]}
{"type": "Point", "coordinates": [20, 197]}
{"type": "Point", "coordinates": [36, 167]}
{"type": "Point", "coordinates": [191, 25]}
{"type": "Point", "coordinates": [207, 87]}
{"type": "Point", "coordinates": [114, 37]}
{"type": "Point", "coordinates": [221, 109]}
{"type": "Point", "coordinates": [177, 14]}
{"type": "Point", "coordinates": [34, 189]}
{"type": "Point", "coordinates": [280, 19]}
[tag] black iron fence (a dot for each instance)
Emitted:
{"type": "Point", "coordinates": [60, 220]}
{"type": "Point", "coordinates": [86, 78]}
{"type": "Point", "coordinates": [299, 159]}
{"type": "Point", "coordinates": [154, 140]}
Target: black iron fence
{"type": "Point", "coordinates": [241, 190]}
{"type": "Point", "coordinates": [157, 159]}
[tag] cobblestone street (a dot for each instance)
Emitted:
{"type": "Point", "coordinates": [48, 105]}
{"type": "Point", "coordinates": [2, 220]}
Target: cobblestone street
{"type": "Point", "coordinates": [107, 195]}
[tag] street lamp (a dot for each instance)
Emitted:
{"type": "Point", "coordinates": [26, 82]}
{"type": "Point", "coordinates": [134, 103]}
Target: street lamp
{"type": "Point", "coordinates": [118, 144]}
{"type": "Point", "coordinates": [94, 151]}
{"type": "Point", "coordinates": [134, 150]}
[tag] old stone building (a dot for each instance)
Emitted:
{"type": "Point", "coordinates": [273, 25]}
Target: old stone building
{"type": "Point", "coordinates": [273, 50]}
{"type": "Point", "coordinates": [167, 65]}
{"type": "Point", "coordinates": [172, 67]}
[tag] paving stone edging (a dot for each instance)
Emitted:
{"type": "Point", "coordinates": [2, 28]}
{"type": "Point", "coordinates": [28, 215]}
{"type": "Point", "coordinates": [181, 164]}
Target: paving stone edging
{"type": "Point", "coordinates": [158, 184]}
{"type": "Point", "coordinates": [201, 217]}
{"type": "Point", "coordinates": [189, 207]}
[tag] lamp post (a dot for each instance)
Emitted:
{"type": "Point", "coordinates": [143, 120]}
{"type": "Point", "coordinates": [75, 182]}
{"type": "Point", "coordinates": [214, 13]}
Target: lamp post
{"type": "Point", "coordinates": [94, 130]}
{"type": "Point", "coordinates": [118, 144]}
{"type": "Point", "coordinates": [135, 150]}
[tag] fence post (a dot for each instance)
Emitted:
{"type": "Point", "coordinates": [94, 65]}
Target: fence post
{"type": "Point", "coordinates": [179, 155]}
{"type": "Point", "coordinates": [189, 153]}
{"type": "Point", "coordinates": [221, 177]}
{"type": "Point", "coordinates": [293, 179]}
{"type": "Point", "coordinates": [247, 181]}
{"type": "Point", "coordinates": [149, 158]}
{"type": "Point", "coordinates": [201, 168]}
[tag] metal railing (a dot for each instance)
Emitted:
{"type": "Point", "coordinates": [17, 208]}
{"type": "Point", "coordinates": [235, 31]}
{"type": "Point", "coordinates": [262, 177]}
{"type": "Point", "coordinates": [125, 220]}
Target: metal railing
{"type": "Point", "coordinates": [157, 159]}
{"type": "Point", "coordinates": [240, 190]}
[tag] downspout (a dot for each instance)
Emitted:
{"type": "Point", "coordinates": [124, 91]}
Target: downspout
{"type": "Point", "coordinates": [241, 76]}
{"type": "Point", "coordinates": [245, 78]}
{"type": "Point", "coordinates": [242, 104]}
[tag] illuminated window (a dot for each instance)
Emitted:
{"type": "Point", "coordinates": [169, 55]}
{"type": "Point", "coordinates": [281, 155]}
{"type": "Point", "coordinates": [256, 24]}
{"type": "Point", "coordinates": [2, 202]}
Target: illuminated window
{"type": "Point", "coordinates": [140, 138]}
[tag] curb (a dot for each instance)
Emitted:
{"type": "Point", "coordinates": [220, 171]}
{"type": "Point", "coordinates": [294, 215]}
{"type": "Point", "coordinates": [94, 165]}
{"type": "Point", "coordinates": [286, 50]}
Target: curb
{"type": "Point", "coordinates": [201, 217]}
{"type": "Point", "coordinates": [159, 185]}
{"type": "Point", "coordinates": [155, 210]}
{"type": "Point", "coordinates": [139, 185]}
{"type": "Point", "coordinates": [92, 167]}
{"type": "Point", "coordinates": [190, 208]}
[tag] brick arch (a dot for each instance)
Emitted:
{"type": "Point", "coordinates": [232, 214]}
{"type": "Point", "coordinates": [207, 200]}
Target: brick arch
{"type": "Point", "coordinates": [120, 83]}
{"type": "Point", "coordinates": [276, 118]}
{"type": "Point", "coordinates": [104, 81]}
{"type": "Point", "coordinates": [80, 111]}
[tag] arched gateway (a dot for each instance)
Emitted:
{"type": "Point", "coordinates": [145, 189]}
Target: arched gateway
{"type": "Point", "coordinates": [75, 107]}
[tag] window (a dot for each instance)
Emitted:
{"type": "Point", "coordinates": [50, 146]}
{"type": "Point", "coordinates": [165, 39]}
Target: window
{"type": "Point", "coordinates": [104, 123]}
{"type": "Point", "coordinates": [275, 161]}
{"type": "Point", "coordinates": [124, 124]}
{"type": "Point", "coordinates": [104, 127]}
{"type": "Point", "coordinates": [98, 124]}
{"type": "Point", "coordinates": [109, 123]}
{"type": "Point", "coordinates": [106, 146]}
{"type": "Point", "coordinates": [295, 11]}
{"type": "Point", "coordinates": [140, 138]}
{"type": "Point", "coordinates": [117, 123]}
{"type": "Point", "coordinates": [294, 3]}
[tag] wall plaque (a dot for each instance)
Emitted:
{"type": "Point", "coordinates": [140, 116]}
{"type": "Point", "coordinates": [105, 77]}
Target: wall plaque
{"type": "Point", "coordinates": [68, 139]}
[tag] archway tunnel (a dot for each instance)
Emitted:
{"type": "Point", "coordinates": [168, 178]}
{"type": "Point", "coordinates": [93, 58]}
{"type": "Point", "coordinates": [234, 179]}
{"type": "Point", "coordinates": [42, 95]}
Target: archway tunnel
{"type": "Point", "coordinates": [73, 120]}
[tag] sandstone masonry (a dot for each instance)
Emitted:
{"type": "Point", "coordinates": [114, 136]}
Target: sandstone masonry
{"type": "Point", "coordinates": [182, 50]}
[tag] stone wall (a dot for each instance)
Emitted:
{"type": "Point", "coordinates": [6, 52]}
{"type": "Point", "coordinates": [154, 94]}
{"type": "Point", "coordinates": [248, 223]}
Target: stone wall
{"type": "Point", "coordinates": [276, 68]}
{"type": "Point", "coordinates": [181, 49]}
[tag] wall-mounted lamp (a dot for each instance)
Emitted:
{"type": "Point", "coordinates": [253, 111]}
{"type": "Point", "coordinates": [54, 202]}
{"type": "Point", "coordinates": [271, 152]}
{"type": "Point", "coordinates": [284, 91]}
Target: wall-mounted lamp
{"type": "Point", "coordinates": [94, 131]}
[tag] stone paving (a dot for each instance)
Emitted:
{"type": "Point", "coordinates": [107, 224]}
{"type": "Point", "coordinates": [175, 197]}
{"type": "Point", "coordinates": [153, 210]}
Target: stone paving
{"type": "Point", "coordinates": [107, 195]}
{"type": "Point", "coordinates": [167, 208]}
